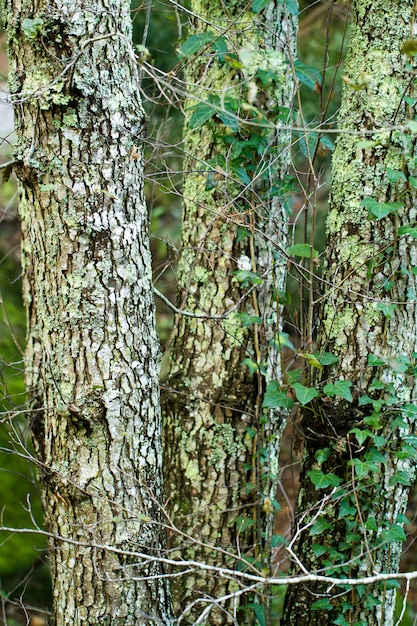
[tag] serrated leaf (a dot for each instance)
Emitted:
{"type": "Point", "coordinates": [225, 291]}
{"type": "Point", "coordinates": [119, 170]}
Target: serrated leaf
{"type": "Point", "coordinates": [277, 540]}
{"type": "Point", "coordinates": [194, 43]}
{"type": "Point", "coordinates": [340, 388]}
{"type": "Point", "coordinates": [275, 398]}
{"type": "Point", "coordinates": [302, 250]}
{"type": "Point", "coordinates": [303, 394]}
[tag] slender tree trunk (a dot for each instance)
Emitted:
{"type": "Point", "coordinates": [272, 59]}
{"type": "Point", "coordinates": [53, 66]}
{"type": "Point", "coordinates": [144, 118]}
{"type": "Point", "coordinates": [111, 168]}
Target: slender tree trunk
{"type": "Point", "coordinates": [92, 352]}
{"type": "Point", "coordinates": [221, 449]}
{"type": "Point", "coordinates": [368, 320]}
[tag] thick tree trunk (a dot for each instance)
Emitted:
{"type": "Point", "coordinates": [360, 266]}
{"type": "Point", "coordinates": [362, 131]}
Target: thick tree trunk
{"type": "Point", "coordinates": [220, 449]}
{"type": "Point", "coordinates": [92, 353]}
{"type": "Point", "coordinates": [368, 320]}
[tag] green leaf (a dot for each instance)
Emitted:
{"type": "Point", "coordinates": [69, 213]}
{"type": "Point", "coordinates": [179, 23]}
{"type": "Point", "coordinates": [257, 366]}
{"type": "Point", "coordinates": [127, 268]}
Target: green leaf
{"type": "Point", "coordinates": [306, 74]}
{"type": "Point", "coordinates": [194, 43]}
{"type": "Point", "coordinates": [282, 340]}
{"type": "Point", "coordinates": [400, 477]}
{"type": "Point", "coordinates": [395, 533]}
{"type": "Point", "coordinates": [251, 365]}
{"type": "Point", "coordinates": [259, 5]}
{"type": "Point", "coordinates": [340, 388]}
{"type": "Point", "coordinates": [259, 611]}
{"type": "Point", "coordinates": [408, 230]}
{"type": "Point", "coordinates": [319, 549]}
{"type": "Point", "coordinates": [230, 120]}
{"type": "Point", "coordinates": [394, 176]}
{"type": "Point", "coordinates": [386, 309]}
{"type": "Point", "coordinates": [375, 361]}
{"type": "Point", "coordinates": [277, 540]}
{"type": "Point", "coordinates": [292, 6]}
{"type": "Point", "coordinates": [321, 603]}
{"type": "Point", "coordinates": [326, 358]}
{"type": "Point", "coordinates": [371, 524]}
{"type": "Point", "coordinates": [275, 398]}
{"type": "Point", "coordinates": [322, 455]}
{"type": "Point", "coordinates": [201, 113]}
{"type": "Point", "coordinates": [346, 509]}
{"type": "Point", "coordinates": [32, 28]}
{"type": "Point", "coordinates": [389, 584]}
{"type": "Point", "coordinates": [302, 250]}
{"type": "Point", "coordinates": [303, 394]}
{"type": "Point", "coordinates": [322, 481]}
{"type": "Point", "coordinates": [412, 125]}
{"type": "Point", "coordinates": [361, 435]}
{"type": "Point", "coordinates": [319, 527]}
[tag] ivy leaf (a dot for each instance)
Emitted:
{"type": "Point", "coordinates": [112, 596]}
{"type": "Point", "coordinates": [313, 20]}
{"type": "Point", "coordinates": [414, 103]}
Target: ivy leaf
{"type": "Point", "coordinates": [346, 509]}
{"type": "Point", "coordinates": [395, 533]}
{"type": "Point", "coordinates": [322, 455]}
{"type": "Point", "coordinates": [327, 358]}
{"type": "Point", "coordinates": [386, 309]}
{"type": "Point", "coordinates": [303, 394]}
{"type": "Point", "coordinates": [321, 603]}
{"type": "Point", "coordinates": [259, 5]}
{"type": "Point", "coordinates": [319, 527]}
{"type": "Point", "coordinates": [408, 230]}
{"type": "Point", "coordinates": [201, 113]}
{"type": "Point", "coordinates": [275, 398]}
{"type": "Point", "coordinates": [361, 435]}
{"type": "Point", "coordinates": [302, 250]}
{"type": "Point", "coordinates": [307, 74]}
{"type": "Point", "coordinates": [322, 481]}
{"type": "Point", "coordinates": [194, 43]}
{"type": "Point", "coordinates": [400, 477]}
{"type": "Point", "coordinates": [340, 388]}
{"type": "Point", "coordinates": [32, 28]}
{"type": "Point", "coordinates": [375, 361]}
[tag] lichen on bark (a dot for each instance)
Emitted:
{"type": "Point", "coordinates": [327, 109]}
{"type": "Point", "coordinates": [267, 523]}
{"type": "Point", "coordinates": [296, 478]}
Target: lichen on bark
{"type": "Point", "coordinates": [368, 320]}
{"type": "Point", "coordinates": [92, 358]}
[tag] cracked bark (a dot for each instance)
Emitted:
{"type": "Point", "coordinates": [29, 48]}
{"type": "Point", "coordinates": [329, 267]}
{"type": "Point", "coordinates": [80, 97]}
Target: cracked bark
{"type": "Point", "coordinates": [212, 400]}
{"type": "Point", "coordinates": [362, 256]}
{"type": "Point", "coordinates": [92, 352]}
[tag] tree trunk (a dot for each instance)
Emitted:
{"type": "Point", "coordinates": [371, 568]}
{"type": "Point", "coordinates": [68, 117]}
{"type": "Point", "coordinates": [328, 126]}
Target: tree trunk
{"type": "Point", "coordinates": [360, 452]}
{"type": "Point", "coordinates": [92, 351]}
{"type": "Point", "coordinates": [220, 447]}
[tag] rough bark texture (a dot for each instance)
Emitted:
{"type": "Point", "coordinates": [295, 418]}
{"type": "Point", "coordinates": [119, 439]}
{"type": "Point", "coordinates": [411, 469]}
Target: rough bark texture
{"type": "Point", "coordinates": [220, 452]}
{"type": "Point", "coordinates": [370, 266]}
{"type": "Point", "coordinates": [92, 352]}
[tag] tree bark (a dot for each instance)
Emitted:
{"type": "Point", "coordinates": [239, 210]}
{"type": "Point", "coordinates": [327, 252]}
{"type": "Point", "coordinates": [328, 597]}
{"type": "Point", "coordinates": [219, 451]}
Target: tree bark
{"type": "Point", "coordinates": [92, 359]}
{"type": "Point", "coordinates": [368, 321]}
{"type": "Point", "coordinates": [221, 450]}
